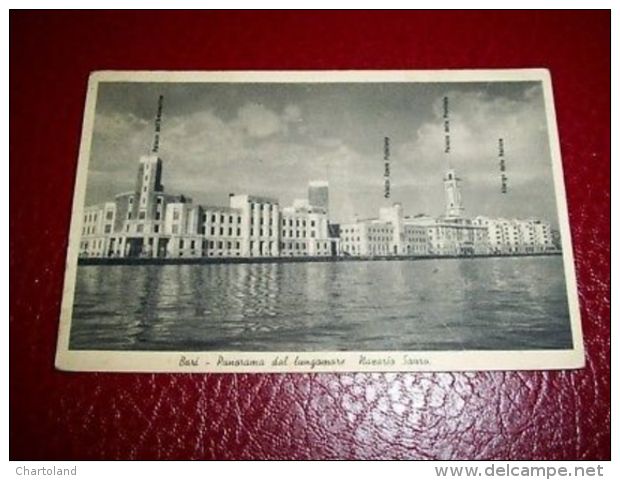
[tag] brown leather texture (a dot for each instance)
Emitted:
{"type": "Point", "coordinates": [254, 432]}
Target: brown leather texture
{"type": "Point", "coordinates": [478, 415]}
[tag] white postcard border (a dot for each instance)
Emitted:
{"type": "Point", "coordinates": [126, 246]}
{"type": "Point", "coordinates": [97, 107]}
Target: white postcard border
{"type": "Point", "coordinates": [265, 362]}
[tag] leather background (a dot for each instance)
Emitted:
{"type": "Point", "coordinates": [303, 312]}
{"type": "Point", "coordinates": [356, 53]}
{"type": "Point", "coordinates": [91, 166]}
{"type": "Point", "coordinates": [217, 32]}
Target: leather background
{"type": "Point", "coordinates": [512, 415]}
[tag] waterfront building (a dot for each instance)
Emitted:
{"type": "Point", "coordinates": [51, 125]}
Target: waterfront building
{"type": "Point", "coordinates": [223, 229]}
{"type": "Point", "coordinates": [394, 217]}
{"type": "Point", "coordinates": [183, 232]}
{"type": "Point", "coordinates": [370, 237]}
{"type": "Point", "coordinates": [148, 222]}
{"type": "Point", "coordinates": [354, 239]}
{"type": "Point", "coordinates": [304, 226]}
{"type": "Point", "coordinates": [450, 235]}
{"type": "Point", "coordinates": [415, 240]}
{"type": "Point", "coordinates": [510, 236]}
{"type": "Point", "coordinates": [260, 219]}
{"type": "Point", "coordinates": [97, 226]}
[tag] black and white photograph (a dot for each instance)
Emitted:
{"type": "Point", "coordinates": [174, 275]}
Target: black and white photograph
{"type": "Point", "coordinates": [319, 221]}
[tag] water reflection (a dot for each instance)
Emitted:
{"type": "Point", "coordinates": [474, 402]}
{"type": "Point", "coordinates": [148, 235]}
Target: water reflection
{"type": "Point", "coordinates": [502, 303]}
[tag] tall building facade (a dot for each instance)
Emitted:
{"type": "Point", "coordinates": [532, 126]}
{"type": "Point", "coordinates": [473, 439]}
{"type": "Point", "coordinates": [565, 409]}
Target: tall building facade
{"type": "Point", "coordinates": [318, 195]}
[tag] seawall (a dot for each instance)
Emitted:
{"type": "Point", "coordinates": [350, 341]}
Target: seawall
{"type": "Point", "coordinates": [237, 260]}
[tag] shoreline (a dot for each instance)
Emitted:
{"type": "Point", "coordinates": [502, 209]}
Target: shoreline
{"type": "Point", "coordinates": [97, 261]}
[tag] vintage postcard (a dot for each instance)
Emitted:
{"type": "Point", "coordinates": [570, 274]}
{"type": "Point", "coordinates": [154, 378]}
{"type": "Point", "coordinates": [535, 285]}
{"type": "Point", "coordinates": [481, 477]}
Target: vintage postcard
{"type": "Point", "coordinates": [319, 221]}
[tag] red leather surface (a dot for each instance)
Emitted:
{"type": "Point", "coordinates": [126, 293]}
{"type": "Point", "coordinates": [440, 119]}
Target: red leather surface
{"type": "Point", "coordinates": [524, 415]}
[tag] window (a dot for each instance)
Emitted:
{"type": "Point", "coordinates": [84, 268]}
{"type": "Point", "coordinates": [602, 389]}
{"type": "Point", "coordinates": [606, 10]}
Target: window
{"type": "Point", "coordinates": [213, 218]}
{"type": "Point", "coordinates": [230, 231]}
{"type": "Point", "coordinates": [175, 215]}
{"type": "Point", "coordinates": [175, 229]}
{"type": "Point", "coordinates": [108, 228]}
{"type": "Point", "coordinates": [156, 228]}
{"type": "Point", "coordinates": [193, 244]}
{"type": "Point", "coordinates": [221, 218]}
{"type": "Point", "coordinates": [142, 215]}
{"type": "Point", "coordinates": [237, 245]}
{"type": "Point", "coordinates": [219, 244]}
{"type": "Point", "coordinates": [212, 230]}
{"type": "Point", "coordinates": [238, 219]}
{"type": "Point", "coordinates": [140, 228]}
{"type": "Point", "coordinates": [109, 215]}
{"type": "Point", "coordinates": [228, 245]}
{"type": "Point", "coordinates": [230, 219]}
{"type": "Point", "coordinates": [221, 230]}
{"type": "Point", "coordinates": [181, 243]}
{"type": "Point", "coordinates": [211, 244]}
{"type": "Point", "coordinates": [312, 223]}
{"type": "Point", "coordinates": [157, 215]}
{"type": "Point", "coordinates": [238, 232]}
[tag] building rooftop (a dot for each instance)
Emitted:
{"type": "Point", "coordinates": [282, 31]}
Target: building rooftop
{"type": "Point", "coordinates": [318, 183]}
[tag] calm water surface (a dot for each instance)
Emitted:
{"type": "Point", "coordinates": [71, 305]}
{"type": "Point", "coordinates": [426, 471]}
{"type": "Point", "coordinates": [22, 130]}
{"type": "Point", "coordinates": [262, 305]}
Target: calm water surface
{"type": "Point", "coordinates": [488, 303]}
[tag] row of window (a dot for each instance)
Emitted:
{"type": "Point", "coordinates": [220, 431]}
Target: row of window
{"type": "Point", "coordinates": [302, 245]}
{"type": "Point", "coordinates": [229, 245]}
{"type": "Point", "coordinates": [346, 238]}
{"type": "Point", "coordinates": [222, 218]}
{"type": "Point", "coordinates": [91, 230]}
{"type": "Point", "coordinates": [222, 231]}
{"type": "Point", "coordinates": [191, 244]}
{"type": "Point", "coordinates": [416, 239]}
{"type": "Point", "coordinates": [372, 238]}
{"type": "Point", "coordinates": [297, 222]}
{"type": "Point", "coordinates": [297, 234]}
{"type": "Point", "coordinates": [92, 245]}
{"type": "Point", "coordinates": [142, 215]}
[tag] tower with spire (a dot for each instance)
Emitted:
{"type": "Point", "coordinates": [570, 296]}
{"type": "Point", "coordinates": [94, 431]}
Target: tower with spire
{"type": "Point", "coordinates": [454, 202]}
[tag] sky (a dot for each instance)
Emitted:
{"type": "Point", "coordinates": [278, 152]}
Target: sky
{"type": "Point", "coordinates": [272, 139]}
